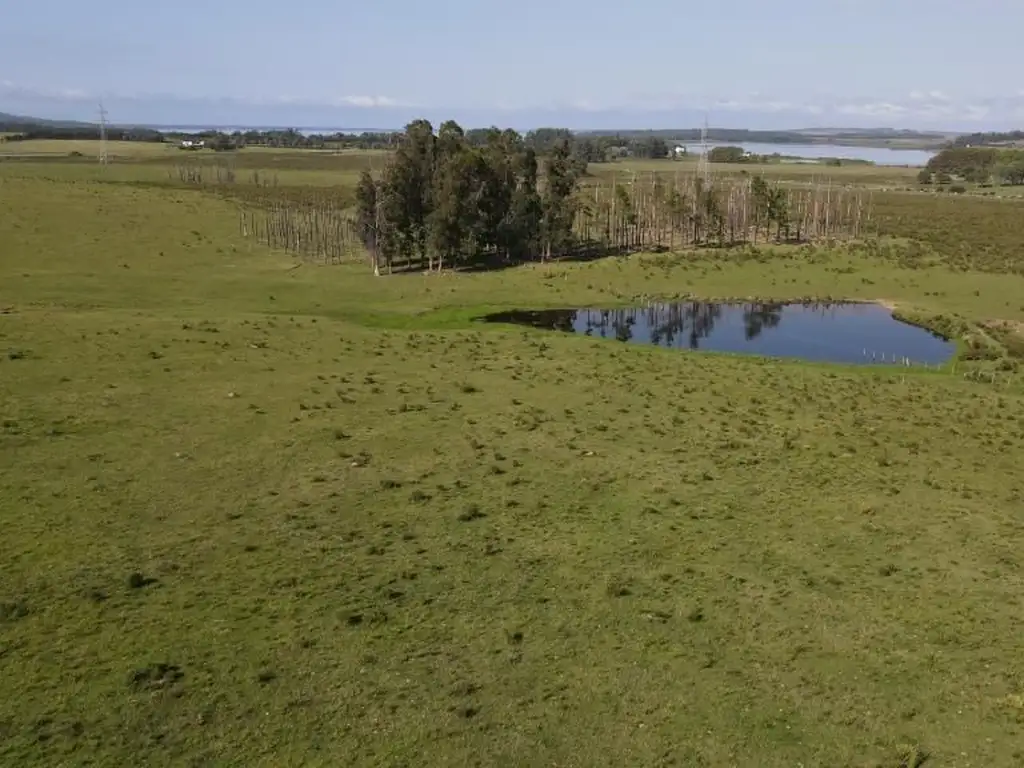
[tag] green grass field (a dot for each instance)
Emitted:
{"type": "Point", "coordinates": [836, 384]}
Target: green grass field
{"type": "Point", "coordinates": [861, 175]}
{"type": "Point", "coordinates": [259, 512]}
{"type": "Point", "coordinates": [132, 150]}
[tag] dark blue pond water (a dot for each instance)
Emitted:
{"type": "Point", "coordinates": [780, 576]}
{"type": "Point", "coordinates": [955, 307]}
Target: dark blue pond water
{"type": "Point", "coordinates": [834, 333]}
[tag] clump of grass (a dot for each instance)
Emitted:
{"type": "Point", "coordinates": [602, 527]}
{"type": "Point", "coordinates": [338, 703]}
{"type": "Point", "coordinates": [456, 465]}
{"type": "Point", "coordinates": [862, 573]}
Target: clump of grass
{"type": "Point", "coordinates": [616, 586]}
{"type": "Point", "coordinates": [156, 676]}
{"type": "Point", "coordinates": [14, 610]}
{"type": "Point", "coordinates": [138, 581]}
{"type": "Point", "coordinates": [472, 512]}
{"type": "Point", "coordinates": [909, 756]}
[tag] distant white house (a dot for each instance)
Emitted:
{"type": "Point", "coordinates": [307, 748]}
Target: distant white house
{"type": "Point", "coordinates": [679, 151]}
{"type": "Point", "coordinates": [190, 144]}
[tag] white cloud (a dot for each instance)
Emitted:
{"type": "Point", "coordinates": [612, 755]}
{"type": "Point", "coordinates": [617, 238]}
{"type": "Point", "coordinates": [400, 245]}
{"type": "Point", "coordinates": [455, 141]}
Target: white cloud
{"type": "Point", "coordinates": [78, 95]}
{"type": "Point", "coordinates": [933, 108]}
{"type": "Point", "coordinates": [13, 89]}
{"type": "Point", "coordinates": [976, 112]}
{"type": "Point", "coordinates": [368, 101]}
{"type": "Point", "coordinates": [584, 105]}
{"type": "Point", "coordinates": [931, 96]}
{"type": "Point", "coordinates": [757, 105]}
{"type": "Point", "coordinates": [872, 109]}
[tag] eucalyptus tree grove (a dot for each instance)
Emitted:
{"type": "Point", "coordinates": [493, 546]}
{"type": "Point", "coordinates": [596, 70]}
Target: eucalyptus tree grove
{"type": "Point", "coordinates": [443, 201]}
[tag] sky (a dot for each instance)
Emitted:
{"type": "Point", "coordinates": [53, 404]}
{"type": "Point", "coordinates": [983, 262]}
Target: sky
{"type": "Point", "coordinates": [925, 64]}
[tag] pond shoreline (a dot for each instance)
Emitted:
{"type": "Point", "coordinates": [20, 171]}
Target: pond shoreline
{"type": "Point", "coordinates": [813, 330]}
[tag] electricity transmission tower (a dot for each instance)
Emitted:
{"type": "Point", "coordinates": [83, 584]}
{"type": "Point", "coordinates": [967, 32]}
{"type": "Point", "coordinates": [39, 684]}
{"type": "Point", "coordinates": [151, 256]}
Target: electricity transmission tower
{"type": "Point", "coordinates": [103, 135]}
{"type": "Point", "coordinates": [702, 166]}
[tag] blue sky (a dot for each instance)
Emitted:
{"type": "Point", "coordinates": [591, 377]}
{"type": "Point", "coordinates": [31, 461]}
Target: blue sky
{"type": "Point", "coordinates": [583, 63]}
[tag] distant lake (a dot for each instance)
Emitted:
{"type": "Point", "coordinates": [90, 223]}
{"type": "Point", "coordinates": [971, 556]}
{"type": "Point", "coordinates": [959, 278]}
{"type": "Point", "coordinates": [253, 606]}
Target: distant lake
{"type": "Point", "coordinates": [877, 155]}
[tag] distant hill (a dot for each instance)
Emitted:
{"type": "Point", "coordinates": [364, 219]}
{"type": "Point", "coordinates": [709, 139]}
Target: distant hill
{"type": "Point", "coordinates": [13, 121]}
{"type": "Point", "coordinates": [880, 133]}
{"type": "Point", "coordinates": [883, 137]}
{"type": "Point", "coordinates": [22, 128]}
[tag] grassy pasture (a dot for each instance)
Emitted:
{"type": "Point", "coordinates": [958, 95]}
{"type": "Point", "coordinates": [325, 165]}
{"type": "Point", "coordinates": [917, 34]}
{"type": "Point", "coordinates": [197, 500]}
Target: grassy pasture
{"type": "Point", "coordinates": [861, 175]}
{"type": "Point", "coordinates": [135, 152]}
{"type": "Point", "coordinates": [51, 148]}
{"type": "Point", "coordinates": [165, 173]}
{"type": "Point", "coordinates": [258, 513]}
{"type": "Point", "coordinates": [966, 231]}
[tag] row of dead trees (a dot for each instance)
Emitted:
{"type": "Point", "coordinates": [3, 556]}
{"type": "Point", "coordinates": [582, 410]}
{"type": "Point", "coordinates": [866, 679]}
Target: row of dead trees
{"type": "Point", "coordinates": [685, 210]}
{"type": "Point", "coordinates": [321, 232]}
{"type": "Point", "coordinates": [217, 174]}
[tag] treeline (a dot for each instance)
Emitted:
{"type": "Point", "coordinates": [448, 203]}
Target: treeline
{"type": "Point", "coordinates": [291, 138]}
{"type": "Point", "coordinates": [978, 165]}
{"type": "Point", "coordinates": [989, 138]}
{"type": "Point", "coordinates": [541, 140]}
{"type": "Point", "coordinates": [729, 154]}
{"type": "Point", "coordinates": [588, 149]}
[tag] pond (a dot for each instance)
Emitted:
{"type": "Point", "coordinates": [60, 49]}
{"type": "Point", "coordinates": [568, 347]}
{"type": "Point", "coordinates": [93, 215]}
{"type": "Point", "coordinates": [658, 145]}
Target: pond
{"type": "Point", "coordinates": [835, 333]}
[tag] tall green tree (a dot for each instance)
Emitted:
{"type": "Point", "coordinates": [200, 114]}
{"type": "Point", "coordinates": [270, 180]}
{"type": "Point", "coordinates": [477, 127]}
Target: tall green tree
{"type": "Point", "coordinates": [453, 224]}
{"type": "Point", "coordinates": [527, 208]}
{"type": "Point", "coordinates": [414, 178]}
{"type": "Point", "coordinates": [366, 216]}
{"type": "Point", "coordinates": [761, 199]}
{"type": "Point", "coordinates": [778, 211]}
{"type": "Point", "coordinates": [496, 185]}
{"type": "Point", "coordinates": [559, 184]}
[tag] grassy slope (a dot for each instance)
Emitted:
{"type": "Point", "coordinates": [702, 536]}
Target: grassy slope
{"type": "Point", "coordinates": [440, 546]}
